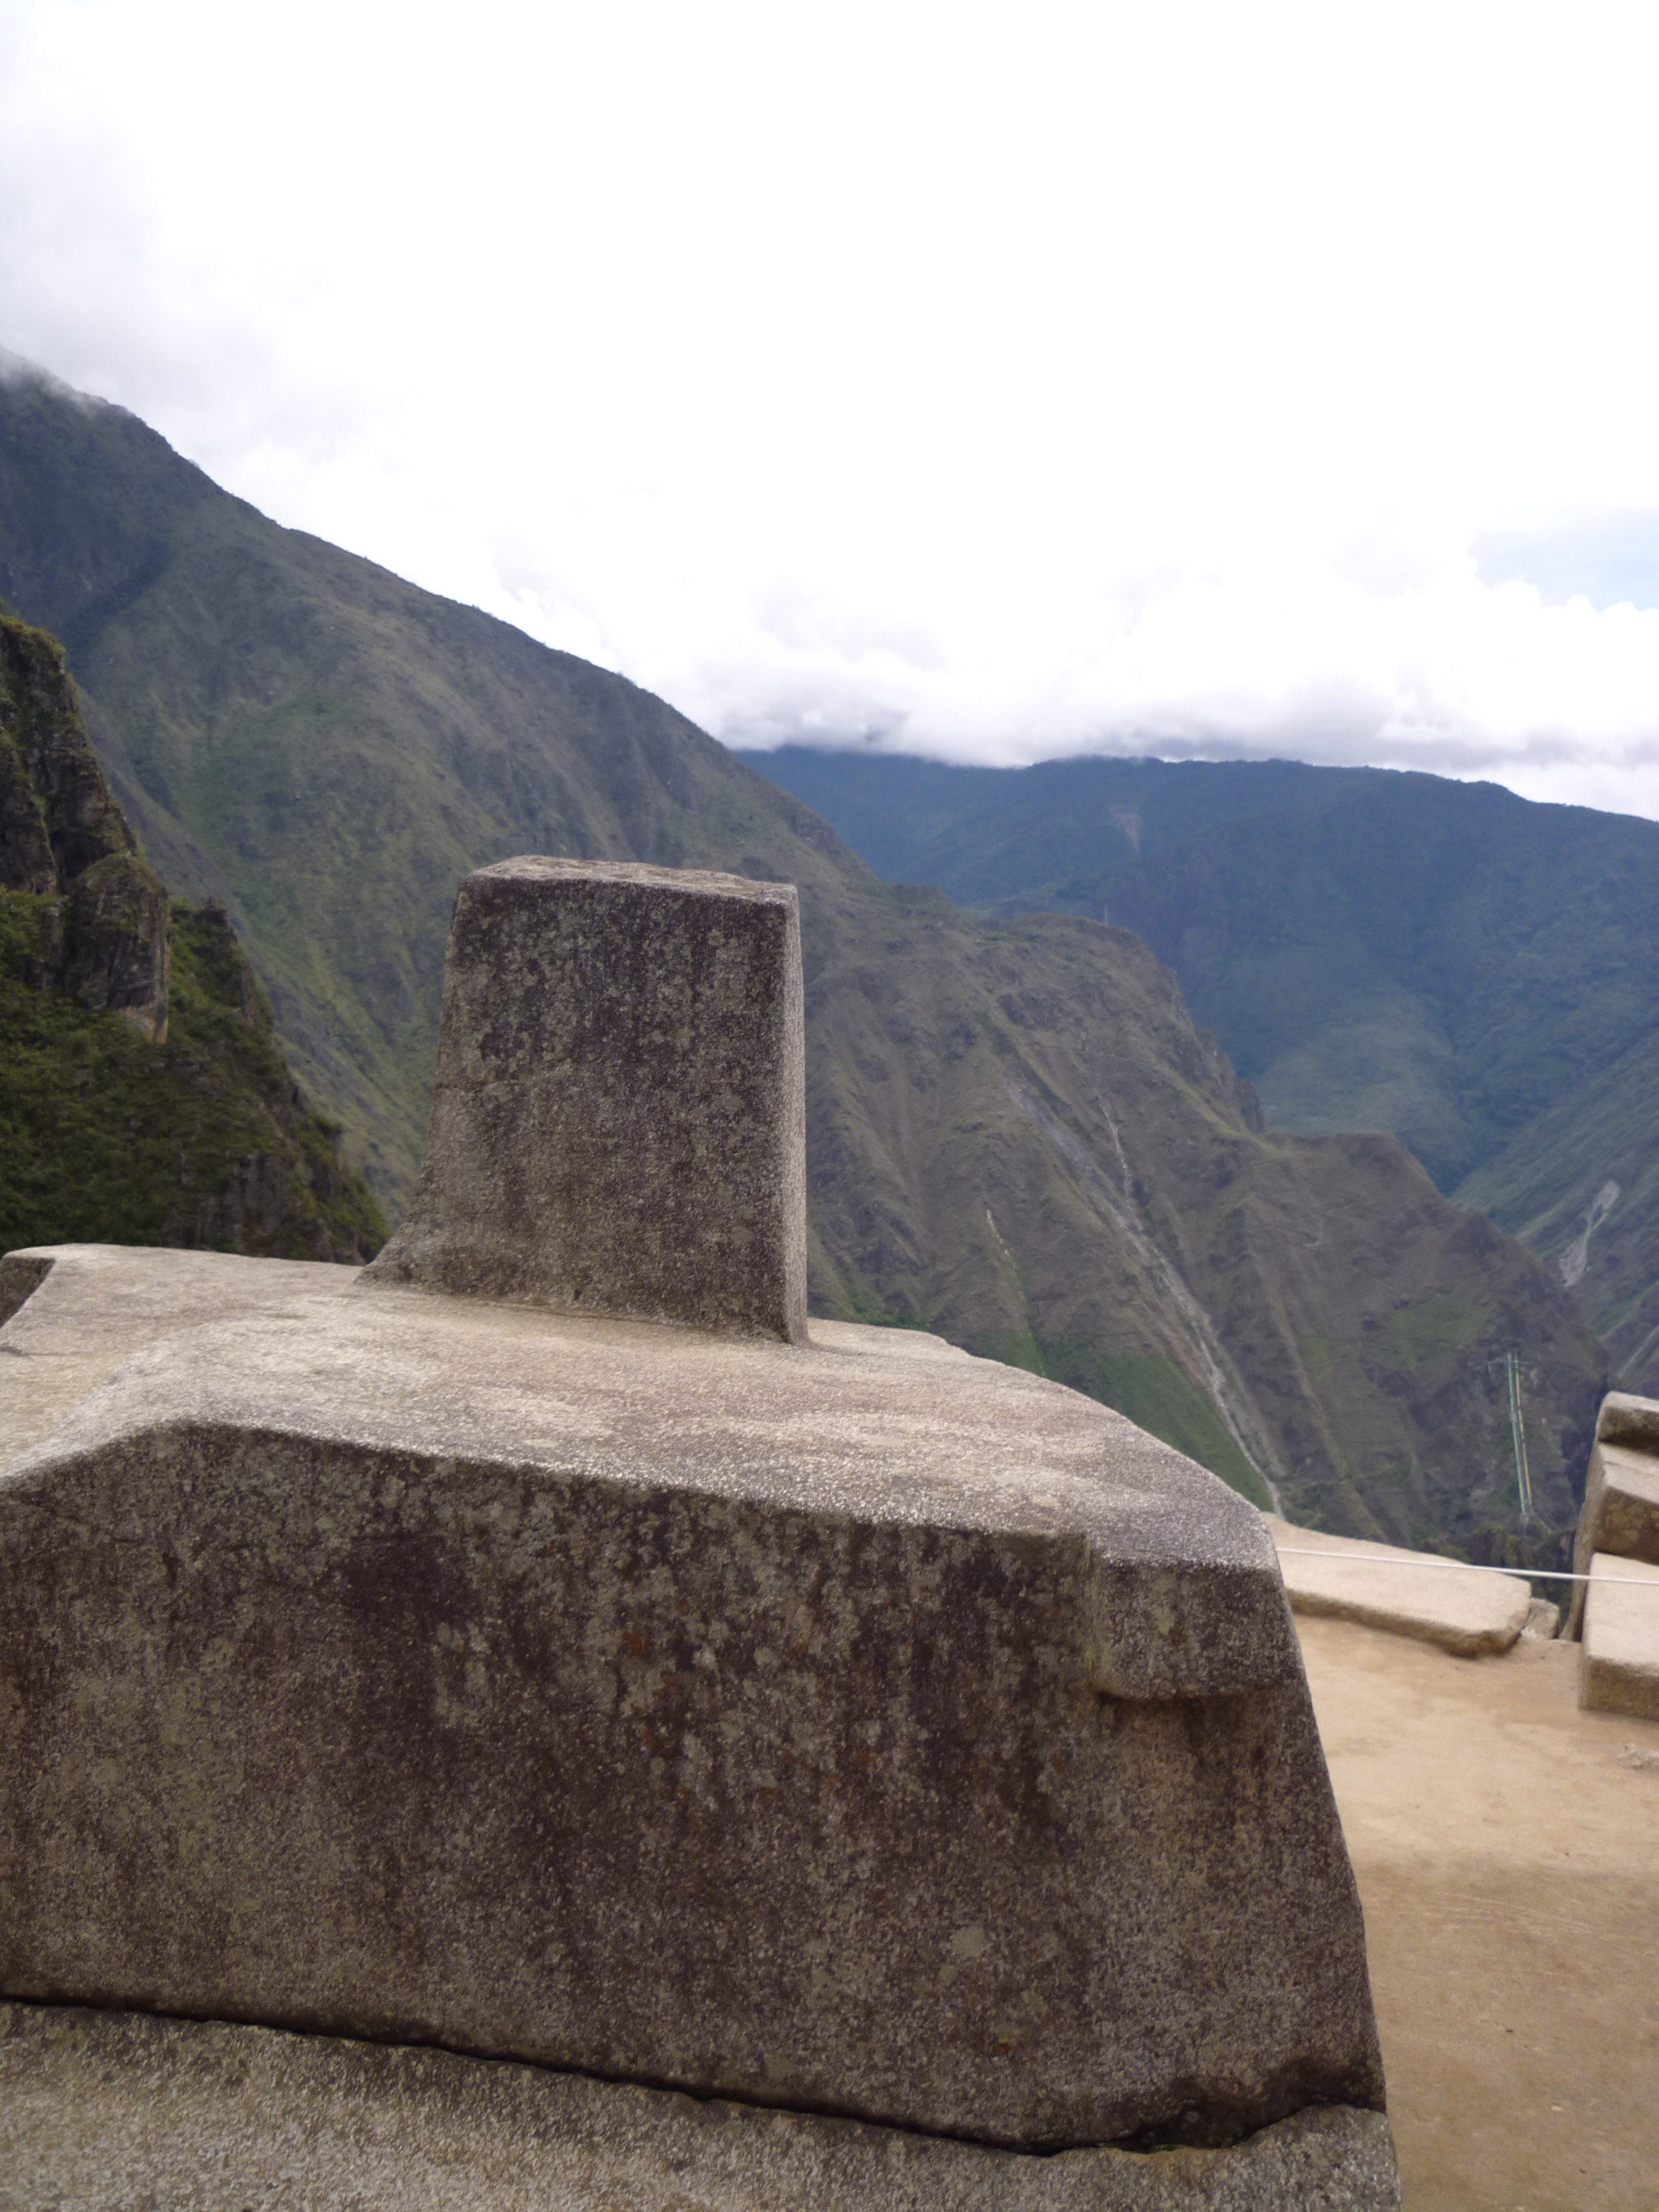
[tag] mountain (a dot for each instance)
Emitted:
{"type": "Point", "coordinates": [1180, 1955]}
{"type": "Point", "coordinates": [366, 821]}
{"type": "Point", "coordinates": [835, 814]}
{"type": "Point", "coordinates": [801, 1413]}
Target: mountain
{"type": "Point", "coordinates": [1016, 1134]}
{"type": "Point", "coordinates": [142, 1097]}
{"type": "Point", "coordinates": [1476, 973]}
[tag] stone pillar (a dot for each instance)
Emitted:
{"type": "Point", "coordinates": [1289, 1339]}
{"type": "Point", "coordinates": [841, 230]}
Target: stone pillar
{"type": "Point", "coordinates": [618, 1120]}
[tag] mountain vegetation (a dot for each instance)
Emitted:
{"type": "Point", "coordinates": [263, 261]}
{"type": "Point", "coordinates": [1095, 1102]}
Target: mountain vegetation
{"type": "Point", "coordinates": [142, 1097]}
{"type": "Point", "coordinates": [1017, 1135]}
{"type": "Point", "coordinates": [1477, 974]}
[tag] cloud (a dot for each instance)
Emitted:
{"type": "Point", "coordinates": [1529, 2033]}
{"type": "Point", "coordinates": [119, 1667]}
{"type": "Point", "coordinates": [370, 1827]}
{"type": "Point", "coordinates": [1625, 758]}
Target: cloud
{"type": "Point", "coordinates": [1610, 559]}
{"type": "Point", "coordinates": [1162, 378]}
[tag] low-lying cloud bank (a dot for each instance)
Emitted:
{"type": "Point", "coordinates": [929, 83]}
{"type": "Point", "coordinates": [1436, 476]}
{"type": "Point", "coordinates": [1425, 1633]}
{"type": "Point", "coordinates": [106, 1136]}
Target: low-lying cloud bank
{"type": "Point", "coordinates": [1453, 673]}
{"type": "Point", "coordinates": [1189, 380]}
{"type": "Point", "coordinates": [1529, 658]}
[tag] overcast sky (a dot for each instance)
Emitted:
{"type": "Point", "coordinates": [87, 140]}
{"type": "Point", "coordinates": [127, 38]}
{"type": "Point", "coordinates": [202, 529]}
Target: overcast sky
{"type": "Point", "coordinates": [989, 381]}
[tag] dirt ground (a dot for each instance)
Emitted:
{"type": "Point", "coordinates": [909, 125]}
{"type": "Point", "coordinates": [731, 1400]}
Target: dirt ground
{"type": "Point", "coordinates": [1507, 1850]}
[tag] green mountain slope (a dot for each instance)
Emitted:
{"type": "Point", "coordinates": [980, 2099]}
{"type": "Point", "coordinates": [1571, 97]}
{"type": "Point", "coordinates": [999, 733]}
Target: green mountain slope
{"type": "Point", "coordinates": [1016, 1132]}
{"type": "Point", "coordinates": [1581, 1186]}
{"type": "Point", "coordinates": [1020, 1138]}
{"type": "Point", "coordinates": [1021, 840]}
{"type": "Point", "coordinates": [142, 1097]}
{"type": "Point", "coordinates": [1476, 974]}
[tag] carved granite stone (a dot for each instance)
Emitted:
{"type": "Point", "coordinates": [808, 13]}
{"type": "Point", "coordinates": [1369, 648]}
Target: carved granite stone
{"type": "Point", "coordinates": [619, 1118]}
{"type": "Point", "coordinates": [1618, 1664]}
{"type": "Point", "coordinates": [819, 1719]}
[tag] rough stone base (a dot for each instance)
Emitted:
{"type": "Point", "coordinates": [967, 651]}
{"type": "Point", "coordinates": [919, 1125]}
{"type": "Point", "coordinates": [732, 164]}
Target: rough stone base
{"type": "Point", "coordinates": [111, 2112]}
{"type": "Point", "coordinates": [853, 1724]}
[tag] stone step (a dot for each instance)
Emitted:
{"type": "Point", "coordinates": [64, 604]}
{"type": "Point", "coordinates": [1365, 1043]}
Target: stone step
{"type": "Point", "coordinates": [1620, 1511]}
{"type": "Point", "coordinates": [1618, 1671]}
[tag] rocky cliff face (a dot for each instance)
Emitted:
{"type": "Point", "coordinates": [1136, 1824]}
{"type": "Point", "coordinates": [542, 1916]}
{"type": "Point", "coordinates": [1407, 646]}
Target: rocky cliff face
{"type": "Point", "coordinates": [104, 931]}
{"type": "Point", "coordinates": [142, 1098]}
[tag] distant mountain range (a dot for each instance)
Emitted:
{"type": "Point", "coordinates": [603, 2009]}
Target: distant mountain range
{"type": "Point", "coordinates": [1017, 1135]}
{"type": "Point", "coordinates": [1477, 974]}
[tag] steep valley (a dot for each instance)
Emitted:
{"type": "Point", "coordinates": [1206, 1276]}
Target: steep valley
{"type": "Point", "coordinates": [1017, 1133]}
{"type": "Point", "coordinates": [1474, 973]}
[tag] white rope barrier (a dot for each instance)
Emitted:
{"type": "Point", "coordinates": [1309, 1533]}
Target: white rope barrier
{"type": "Point", "coordinates": [1468, 1567]}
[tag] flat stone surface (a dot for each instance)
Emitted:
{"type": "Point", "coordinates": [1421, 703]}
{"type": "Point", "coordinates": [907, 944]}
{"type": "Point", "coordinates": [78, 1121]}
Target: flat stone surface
{"type": "Point", "coordinates": [619, 1112]}
{"type": "Point", "coordinates": [857, 1726]}
{"type": "Point", "coordinates": [109, 2110]}
{"type": "Point", "coordinates": [1473, 1615]}
{"type": "Point", "coordinates": [1620, 1668]}
{"type": "Point", "coordinates": [1503, 1841]}
{"type": "Point", "coordinates": [104, 1302]}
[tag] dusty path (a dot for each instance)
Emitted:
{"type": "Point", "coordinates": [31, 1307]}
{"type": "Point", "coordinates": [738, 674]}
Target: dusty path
{"type": "Point", "coordinates": [1507, 1848]}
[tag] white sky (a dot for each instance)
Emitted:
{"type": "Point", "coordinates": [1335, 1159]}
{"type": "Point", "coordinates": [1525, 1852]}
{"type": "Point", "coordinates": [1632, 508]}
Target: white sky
{"type": "Point", "coordinates": [992, 382]}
